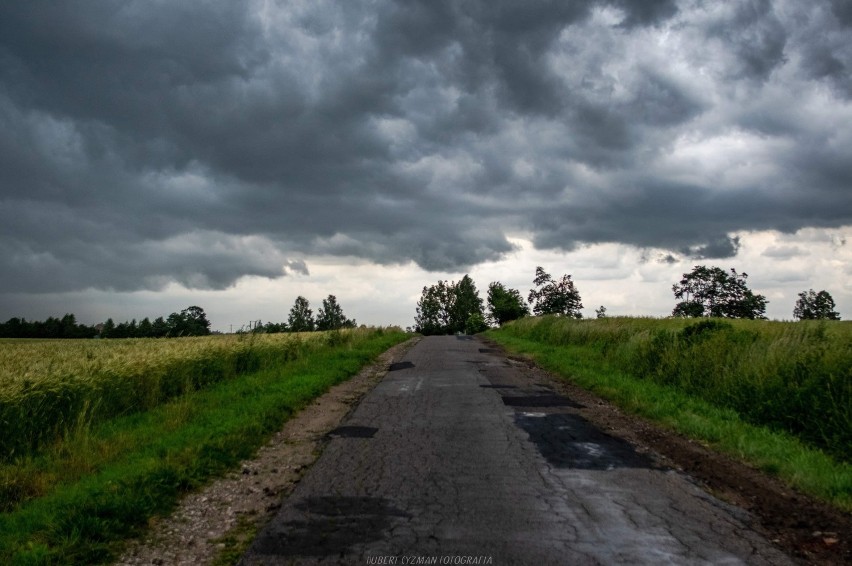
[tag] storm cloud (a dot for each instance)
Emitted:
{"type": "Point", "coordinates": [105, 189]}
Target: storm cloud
{"type": "Point", "coordinates": [143, 143]}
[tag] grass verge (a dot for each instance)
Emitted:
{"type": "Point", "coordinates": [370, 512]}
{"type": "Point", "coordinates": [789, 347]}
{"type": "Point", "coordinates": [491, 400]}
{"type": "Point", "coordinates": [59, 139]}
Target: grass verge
{"type": "Point", "coordinates": [105, 485]}
{"type": "Point", "coordinates": [803, 467]}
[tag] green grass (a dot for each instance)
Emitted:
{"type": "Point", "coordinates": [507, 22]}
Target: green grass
{"type": "Point", "coordinates": [102, 486]}
{"type": "Point", "coordinates": [597, 354]}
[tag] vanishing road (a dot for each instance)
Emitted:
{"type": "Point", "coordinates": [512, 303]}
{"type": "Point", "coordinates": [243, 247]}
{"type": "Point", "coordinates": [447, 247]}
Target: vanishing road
{"type": "Point", "coordinates": [457, 457]}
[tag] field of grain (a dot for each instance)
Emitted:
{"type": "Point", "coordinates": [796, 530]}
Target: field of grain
{"type": "Point", "coordinates": [49, 388]}
{"type": "Point", "coordinates": [104, 436]}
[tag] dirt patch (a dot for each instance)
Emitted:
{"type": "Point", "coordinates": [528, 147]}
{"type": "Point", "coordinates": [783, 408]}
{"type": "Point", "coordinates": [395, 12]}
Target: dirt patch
{"type": "Point", "coordinates": [807, 529]}
{"type": "Point", "coordinates": [229, 511]}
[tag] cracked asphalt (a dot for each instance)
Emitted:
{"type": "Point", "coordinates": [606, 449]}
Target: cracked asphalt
{"type": "Point", "coordinates": [459, 455]}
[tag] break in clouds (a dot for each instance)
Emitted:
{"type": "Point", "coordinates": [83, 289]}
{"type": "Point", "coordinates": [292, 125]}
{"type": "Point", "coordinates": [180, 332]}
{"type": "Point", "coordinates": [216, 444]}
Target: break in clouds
{"type": "Point", "coordinates": [144, 143]}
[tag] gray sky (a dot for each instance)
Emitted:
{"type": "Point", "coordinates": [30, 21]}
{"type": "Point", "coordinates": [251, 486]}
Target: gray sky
{"type": "Point", "coordinates": [237, 154]}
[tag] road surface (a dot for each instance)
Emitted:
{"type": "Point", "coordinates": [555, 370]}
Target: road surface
{"type": "Point", "coordinates": [456, 457]}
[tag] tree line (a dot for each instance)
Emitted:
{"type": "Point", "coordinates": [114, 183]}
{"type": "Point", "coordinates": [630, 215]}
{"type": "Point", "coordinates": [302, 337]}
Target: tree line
{"type": "Point", "coordinates": [301, 318]}
{"type": "Point", "coordinates": [191, 321]}
{"type": "Point", "coordinates": [450, 307]}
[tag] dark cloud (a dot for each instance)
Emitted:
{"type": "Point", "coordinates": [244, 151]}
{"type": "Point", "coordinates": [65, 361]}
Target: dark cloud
{"type": "Point", "coordinates": [843, 11]}
{"type": "Point", "coordinates": [203, 142]}
{"type": "Point", "coordinates": [717, 248]}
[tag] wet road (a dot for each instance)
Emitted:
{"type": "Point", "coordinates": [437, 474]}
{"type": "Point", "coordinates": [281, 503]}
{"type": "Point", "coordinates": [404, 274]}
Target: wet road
{"type": "Point", "coordinates": [458, 457]}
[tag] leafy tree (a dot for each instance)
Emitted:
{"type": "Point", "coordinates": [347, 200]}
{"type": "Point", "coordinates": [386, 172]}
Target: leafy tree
{"type": "Point", "coordinates": [145, 329]}
{"type": "Point", "coordinates": [196, 320]}
{"type": "Point", "coordinates": [601, 312]}
{"type": "Point", "coordinates": [275, 327]}
{"type": "Point", "coordinates": [433, 309]}
{"type": "Point", "coordinates": [108, 329]}
{"type": "Point", "coordinates": [301, 318]}
{"type": "Point", "coordinates": [505, 304]}
{"type": "Point", "coordinates": [554, 297]}
{"type": "Point", "coordinates": [475, 323]}
{"type": "Point", "coordinates": [191, 321]}
{"type": "Point", "coordinates": [710, 291]}
{"type": "Point", "coordinates": [815, 306]}
{"type": "Point", "coordinates": [466, 307]}
{"type": "Point", "coordinates": [447, 308]}
{"type": "Point", "coordinates": [331, 317]}
{"type": "Point", "coordinates": [160, 327]}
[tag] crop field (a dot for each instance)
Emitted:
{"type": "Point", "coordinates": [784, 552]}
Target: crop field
{"type": "Point", "coordinates": [48, 388]}
{"type": "Point", "coordinates": [100, 436]}
{"type": "Point", "coordinates": [789, 376]}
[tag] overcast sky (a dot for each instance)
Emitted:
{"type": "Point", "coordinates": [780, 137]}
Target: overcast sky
{"type": "Point", "coordinates": [234, 155]}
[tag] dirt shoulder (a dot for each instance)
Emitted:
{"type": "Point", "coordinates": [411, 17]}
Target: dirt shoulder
{"type": "Point", "coordinates": [808, 530]}
{"type": "Point", "coordinates": [229, 511]}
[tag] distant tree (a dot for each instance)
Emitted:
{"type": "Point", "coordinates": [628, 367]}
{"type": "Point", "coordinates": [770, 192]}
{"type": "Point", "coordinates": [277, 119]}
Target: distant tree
{"type": "Point", "coordinates": [122, 330]}
{"type": "Point", "coordinates": [601, 312]}
{"type": "Point", "coordinates": [331, 317]}
{"type": "Point", "coordinates": [301, 317]}
{"type": "Point", "coordinates": [554, 297]}
{"type": "Point", "coordinates": [275, 327]}
{"type": "Point", "coordinates": [710, 291]}
{"type": "Point", "coordinates": [815, 306]}
{"type": "Point", "coordinates": [145, 329]}
{"type": "Point", "coordinates": [447, 308]}
{"type": "Point", "coordinates": [505, 304]}
{"type": "Point", "coordinates": [191, 321]}
{"type": "Point", "coordinates": [475, 323]}
{"type": "Point", "coordinates": [196, 320]}
{"type": "Point", "coordinates": [466, 313]}
{"type": "Point", "coordinates": [159, 328]}
{"type": "Point", "coordinates": [433, 309]}
{"type": "Point", "coordinates": [108, 329]}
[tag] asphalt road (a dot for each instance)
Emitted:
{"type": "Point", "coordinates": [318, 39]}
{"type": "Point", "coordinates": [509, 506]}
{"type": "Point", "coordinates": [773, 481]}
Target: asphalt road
{"type": "Point", "coordinates": [457, 458]}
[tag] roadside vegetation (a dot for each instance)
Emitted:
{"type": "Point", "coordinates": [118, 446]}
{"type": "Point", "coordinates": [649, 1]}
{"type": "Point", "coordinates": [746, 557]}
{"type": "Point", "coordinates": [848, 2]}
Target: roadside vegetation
{"type": "Point", "coordinates": [777, 394]}
{"type": "Point", "coordinates": [141, 422]}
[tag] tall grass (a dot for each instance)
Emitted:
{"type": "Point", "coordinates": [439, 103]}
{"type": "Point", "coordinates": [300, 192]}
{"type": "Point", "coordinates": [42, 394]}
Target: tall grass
{"type": "Point", "coordinates": [50, 388]}
{"type": "Point", "coordinates": [790, 376]}
{"type": "Point", "coordinates": [92, 491]}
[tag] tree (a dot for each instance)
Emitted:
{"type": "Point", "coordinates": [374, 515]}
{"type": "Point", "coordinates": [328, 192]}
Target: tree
{"type": "Point", "coordinates": [331, 317]}
{"type": "Point", "coordinates": [554, 297]}
{"type": "Point", "coordinates": [815, 306]}
{"type": "Point", "coordinates": [108, 329]}
{"type": "Point", "coordinates": [191, 321]}
{"type": "Point", "coordinates": [466, 310]}
{"type": "Point", "coordinates": [196, 320]}
{"type": "Point", "coordinates": [301, 317]}
{"type": "Point", "coordinates": [160, 327]}
{"type": "Point", "coordinates": [433, 309]}
{"type": "Point", "coordinates": [601, 312]}
{"type": "Point", "coordinates": [710, 291]}
{"type": "Point", "coordinates": [505, 304]}
{"type": "Point", "coordinates": [145, 329]}
{"type": "Point", "coordinates": [447, 308]}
